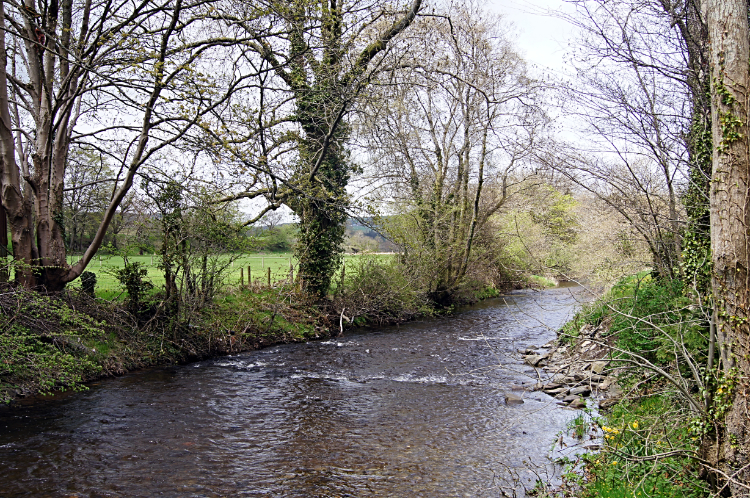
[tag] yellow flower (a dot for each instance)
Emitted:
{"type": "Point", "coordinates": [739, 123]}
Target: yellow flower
{"type": "Point", "coordinates": [635, 424]}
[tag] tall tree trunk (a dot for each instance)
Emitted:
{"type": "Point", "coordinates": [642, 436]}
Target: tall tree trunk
{"type": "Point", "coordinates": [17, 208]}
{"type": "Point", "coordinates": [727, 22]}
{"type": "Point", "coordinates": [4, 270]}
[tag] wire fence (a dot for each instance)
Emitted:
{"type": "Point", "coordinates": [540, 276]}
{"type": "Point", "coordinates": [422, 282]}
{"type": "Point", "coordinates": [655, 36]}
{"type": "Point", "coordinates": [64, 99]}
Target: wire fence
{"type": "Point", "coordinates": [258, 271]}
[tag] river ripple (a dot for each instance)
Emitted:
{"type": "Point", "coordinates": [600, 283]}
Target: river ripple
{"type": "Point", "coordinates": [415, 410]}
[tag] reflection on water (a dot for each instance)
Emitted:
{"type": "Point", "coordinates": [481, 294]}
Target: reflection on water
{"type": "Point", "coordinates": [416, 410]}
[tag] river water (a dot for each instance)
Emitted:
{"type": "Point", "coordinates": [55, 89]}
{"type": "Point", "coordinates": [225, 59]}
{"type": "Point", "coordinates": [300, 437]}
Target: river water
{"type": "Point", "coordinates": [415, 410]}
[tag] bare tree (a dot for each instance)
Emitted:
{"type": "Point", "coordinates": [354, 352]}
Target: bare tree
{"type": "Point", "coordinates": [633, 92]}
{"type": "Point", "coordinates": [131, 80]}
{"type": "Point", "coordinates": [450, 128]}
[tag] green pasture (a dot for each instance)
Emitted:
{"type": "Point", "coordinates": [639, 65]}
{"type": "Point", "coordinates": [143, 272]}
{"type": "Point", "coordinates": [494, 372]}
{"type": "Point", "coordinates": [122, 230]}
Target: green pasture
{"type": "Point", "coordinates": [108, 287]}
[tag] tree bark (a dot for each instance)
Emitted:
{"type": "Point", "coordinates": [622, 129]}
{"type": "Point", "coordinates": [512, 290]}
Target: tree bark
{"type": "Point", "coordinates": [727, 22]}
{"type": "Point", "coordinates": [17, 209]}
{"type": "Point", "coordinates": [4, 270]}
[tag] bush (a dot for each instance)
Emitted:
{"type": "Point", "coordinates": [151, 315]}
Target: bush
{"type": "Point", "coordinates": [131, 276]}
{"type": "Point", "coordinates": [88, 283]}
{"type": "Point", "coordinates": [649, 440]}
{"type": "Point", "coordinates": [379, 290]}
{"type": "Point", "coordinates": [44, 344]}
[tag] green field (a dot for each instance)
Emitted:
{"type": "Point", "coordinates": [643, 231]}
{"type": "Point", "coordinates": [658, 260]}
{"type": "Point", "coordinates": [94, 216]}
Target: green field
{"type": "Point", "coordinates": [107, 285]}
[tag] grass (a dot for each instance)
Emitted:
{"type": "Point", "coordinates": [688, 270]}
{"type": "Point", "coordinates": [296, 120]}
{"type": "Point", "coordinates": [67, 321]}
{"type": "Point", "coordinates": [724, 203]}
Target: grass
{"type": "Point", "coordinates": [543, 282]}
{"type": "Point", "coordinates": [107, 286]}
{"type": "Point", "coordinates": [632, 433]}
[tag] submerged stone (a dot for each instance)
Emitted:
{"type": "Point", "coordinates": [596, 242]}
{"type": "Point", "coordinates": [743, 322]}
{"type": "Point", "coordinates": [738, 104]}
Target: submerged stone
{"type": "Point", "coordinates": [512, 399]}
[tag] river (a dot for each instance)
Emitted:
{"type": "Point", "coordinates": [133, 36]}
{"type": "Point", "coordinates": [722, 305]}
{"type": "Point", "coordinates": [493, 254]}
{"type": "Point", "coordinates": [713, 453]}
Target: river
{"type": "Point", "coordinates": [415, 410]}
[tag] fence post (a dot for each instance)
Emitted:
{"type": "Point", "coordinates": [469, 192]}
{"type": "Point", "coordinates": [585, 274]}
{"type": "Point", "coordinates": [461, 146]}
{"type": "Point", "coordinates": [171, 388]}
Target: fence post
{"type": "Point", "coordinates": [340, 289]}
{"type": "Point", "coordinates": [269, 276]}
{"type": "Point", "coordinates": [242, 277]}
{"type": "Point", "coordinates": [249, 277]}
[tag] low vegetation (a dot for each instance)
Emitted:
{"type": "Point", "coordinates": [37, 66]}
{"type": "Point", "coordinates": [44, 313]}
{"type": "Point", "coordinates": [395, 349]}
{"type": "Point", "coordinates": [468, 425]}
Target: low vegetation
{"type": "Point", "coordinates": [651, 437]}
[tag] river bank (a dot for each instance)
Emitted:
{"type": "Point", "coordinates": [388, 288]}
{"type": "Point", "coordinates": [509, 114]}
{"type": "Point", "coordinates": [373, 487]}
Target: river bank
{"type": "Point", "coordinates": [631, 350]}
{"type": "Point", "coordinates": [53, 343]}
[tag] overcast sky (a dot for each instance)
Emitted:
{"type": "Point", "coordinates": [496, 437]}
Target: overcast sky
{"type": "Point", "coordinates": [542, 38]}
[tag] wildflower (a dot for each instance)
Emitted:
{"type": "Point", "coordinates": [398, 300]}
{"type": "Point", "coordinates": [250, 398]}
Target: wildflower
{"type": "Point", "coordinates": [635, 424]}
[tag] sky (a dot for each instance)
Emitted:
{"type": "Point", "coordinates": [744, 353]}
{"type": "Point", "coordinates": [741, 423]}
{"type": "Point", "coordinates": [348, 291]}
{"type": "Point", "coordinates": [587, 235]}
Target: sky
{"type": "Point", "coordinates": [542, 38]}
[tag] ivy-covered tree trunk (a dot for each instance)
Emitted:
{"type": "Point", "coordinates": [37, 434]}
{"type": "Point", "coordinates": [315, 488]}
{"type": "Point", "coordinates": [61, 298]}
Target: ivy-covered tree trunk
{"type": "Point", "coordinates": [696, 236]}
{"type": "Point", "coordinates": [322, 212]}
{"type": "Point", "coordinates": [727, 22]}
{"type": "Point", "coordinates": [4, 274]}
{"type": "Point", "coordinates": [324, 76]}
{"type": "Point", "coordinates": [322, 170]}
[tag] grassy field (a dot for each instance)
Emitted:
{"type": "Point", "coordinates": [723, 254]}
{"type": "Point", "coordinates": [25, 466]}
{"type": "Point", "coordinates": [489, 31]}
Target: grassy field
{"type": "Point", "coordinates": [107, 286]}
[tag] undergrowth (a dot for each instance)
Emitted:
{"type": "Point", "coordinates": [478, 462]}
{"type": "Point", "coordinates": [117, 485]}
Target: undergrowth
{"type": "Point", "coordinates": [649, 447]}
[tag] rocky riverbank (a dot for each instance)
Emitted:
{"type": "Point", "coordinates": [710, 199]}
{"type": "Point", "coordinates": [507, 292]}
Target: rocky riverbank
{"type": "Point", "coordinates": [572, 369]}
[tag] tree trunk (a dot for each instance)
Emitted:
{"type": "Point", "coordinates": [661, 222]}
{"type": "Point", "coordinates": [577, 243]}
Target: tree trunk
{"type": "Point", "coordinates": [17, 208]}
{"type": "Point", "coordinates": [4, 273]}
{"type": "Point", "coordinates": [730, 220]}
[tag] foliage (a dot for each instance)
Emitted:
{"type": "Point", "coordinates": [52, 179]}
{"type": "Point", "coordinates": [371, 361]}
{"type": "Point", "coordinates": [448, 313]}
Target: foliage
{"type": "Point", "coordinates": [281, 314]}
{"type": "Point", "coordinates": [696, 250]}
{"type": "Point", "coordinates": [276, 239]}
{"type": "Point", "coordinates": [648, 316]}
{"type": "Point", "coordinates": [88, 283]}
{"type": "Point", "coordinates": [44, 344]}
{"type": "Point", "coordinates": [650, 441]}
{"type": "Point", "coordinates": [131, 276]}
{"type": "Point", "coordinates": [541, 231]}
{"type": "Point", "coordinates": [633, 433]}
{"type": "Point", "coordinates": [379, 291]}
{"type": "Point", "coordinates": [452, 134]}
{"type": "Point", "coordinates": [199, 243]}
{"type": "Point", "coordinates": [652, 314]}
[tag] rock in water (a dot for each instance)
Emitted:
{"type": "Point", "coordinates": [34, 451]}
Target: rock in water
{"type": "Point", "coordinates": [578, 403]}
{"type": "Point", "coordinates": [584, 390]}
{"type": "Point", "coordinates": [533, 359]}
{"type": "Point", "coordinates": [570, 398]}
{"type": "Point", "coordinates": [512, 399]}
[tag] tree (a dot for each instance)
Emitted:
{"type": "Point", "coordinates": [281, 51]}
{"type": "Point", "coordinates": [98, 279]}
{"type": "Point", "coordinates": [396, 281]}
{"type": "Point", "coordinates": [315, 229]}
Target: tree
{"type": "Point", "coordinates": [84, 199]}
{"type": "Point", "coordinates": [729, 51]}
{"type": "Point", "coordinates": [321, 57]}
{"type": "Point", "coordinates": [200, 240]}
{"type": "Point", "coordinates": [448, 130]}
{"type": "Point", "coordinates": [125, 78]}
{"type": "Point", "coordinates": [633, 94]}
